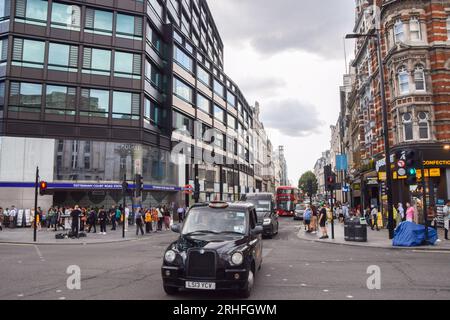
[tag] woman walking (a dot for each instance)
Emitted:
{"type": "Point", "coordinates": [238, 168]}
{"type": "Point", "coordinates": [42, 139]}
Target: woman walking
{"type": "Point", "coordinates": [160, 217]}
{"type": "Point", "coordinates": [409, 212]}
{"type": "Point", "coordinates": [323, 221]}
{"type": "Point", "coordinates": [102, 217]}
{"type": "Point", "coordinates": [155, 219]}
{"type": "Point", "coordinates": [148, 221]}
{"type": "Point", "coordinates": [166, 214]}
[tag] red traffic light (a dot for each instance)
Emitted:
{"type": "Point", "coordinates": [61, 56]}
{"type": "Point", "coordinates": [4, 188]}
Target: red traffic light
{"type": "Point", "coordinates": [43, 185]}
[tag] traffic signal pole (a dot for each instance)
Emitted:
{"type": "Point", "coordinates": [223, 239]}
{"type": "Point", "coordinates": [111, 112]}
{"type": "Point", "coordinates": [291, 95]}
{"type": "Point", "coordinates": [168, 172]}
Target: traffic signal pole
{"type": "Point", "coordinates": [424, 191]}
{"type": "Point", "coordinates": [35, 205]}
{"type": "Point", "coordinates": [332, 213]}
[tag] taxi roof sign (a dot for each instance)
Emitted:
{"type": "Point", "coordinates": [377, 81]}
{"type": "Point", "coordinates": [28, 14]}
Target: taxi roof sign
{"type": "Point", "coordinates": [218, 204]}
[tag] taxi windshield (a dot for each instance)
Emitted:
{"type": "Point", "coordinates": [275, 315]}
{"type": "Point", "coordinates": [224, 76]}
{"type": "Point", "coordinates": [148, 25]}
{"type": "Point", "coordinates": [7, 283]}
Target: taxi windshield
{"type": "Point", "coordinates": [216, 221]}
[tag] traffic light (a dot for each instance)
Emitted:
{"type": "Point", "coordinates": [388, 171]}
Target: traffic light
{"type": "Point", "coordinates": [125, 187]}
{"type": "Point", "coordinates": [331, 181]}
{"type": "Point", "coordinates": [196, 191]}
{"type": "Point", "coordinates": [139, 183]}
{"type": "Point", "coordinates": [43, 188]}
{"type": "Point", "coordinates": [309, 187]}
{"type": "Point", "coordinates": [411, 167]}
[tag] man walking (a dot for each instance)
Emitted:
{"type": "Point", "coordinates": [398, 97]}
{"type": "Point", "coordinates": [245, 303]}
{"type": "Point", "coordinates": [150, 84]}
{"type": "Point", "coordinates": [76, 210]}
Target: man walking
{"type": "Point", "coordinates": [127, 214]}
{"type": "Point", "coordinates": [75, 215]}
{"type": "Point", "coordinates": [181, 214]}
{"type": "Point", "coordinates": [13, 217]}
{"type": "Point", "coordinates": [112, 216]}
{"type": "Point", "coordinates": [446, 219]}
{"type": "Point", "coordinates": [102, 217]}
{"type": "Point", "coordinates": [374, 215]}
{"type": "Point", "coordinates": [139, 224]}
{"type": "Point", "coordinates": [92, 221]}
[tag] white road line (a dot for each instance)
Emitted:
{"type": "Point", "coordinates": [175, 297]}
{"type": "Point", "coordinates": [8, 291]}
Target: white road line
{"type": "Point", "coordinates": [38, 252]}
{"type": "Point", "coordinates": [350, 297]}
{"type": "Point", "coordinates": [326, 290]}
{"type": "Point", "coordinates": [20, 295]}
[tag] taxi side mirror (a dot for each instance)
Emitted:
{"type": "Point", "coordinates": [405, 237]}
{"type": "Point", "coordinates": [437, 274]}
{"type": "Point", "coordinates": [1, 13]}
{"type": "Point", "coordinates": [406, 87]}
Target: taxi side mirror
{"type": "Point", "coordinates": [257, 231]}
{"type": "Point", "coordinates": [176, 228]}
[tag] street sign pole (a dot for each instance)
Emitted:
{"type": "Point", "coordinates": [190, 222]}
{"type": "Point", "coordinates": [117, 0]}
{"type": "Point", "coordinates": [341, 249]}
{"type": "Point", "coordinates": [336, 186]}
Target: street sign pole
{"type": "Point", "coordinates": [35, 205]}
{"type": "Point", "coordinates": [424, 191]}
{"type": "Point", "coordinates": [124, 191]}
{"type": "Point", "coordinates": [332, 214]}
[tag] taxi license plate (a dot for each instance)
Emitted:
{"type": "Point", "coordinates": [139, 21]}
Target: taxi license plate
{"type": "Point", "coordinates": [200, 285]}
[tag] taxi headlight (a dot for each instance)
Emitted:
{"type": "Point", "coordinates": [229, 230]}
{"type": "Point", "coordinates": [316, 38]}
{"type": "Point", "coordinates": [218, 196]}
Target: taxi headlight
{"type": "Point", "coordinates": [237, 258]}
{"type": "Point", "coordinates": [267, 221]}
{"type": "Point", "coordinates": [170, 256]}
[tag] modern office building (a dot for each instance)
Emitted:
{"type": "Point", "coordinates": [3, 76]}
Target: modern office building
{"type": "Point", "coordinates": [92, 91]}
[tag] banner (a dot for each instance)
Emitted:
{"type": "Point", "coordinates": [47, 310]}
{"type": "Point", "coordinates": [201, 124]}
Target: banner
{"type": "Point", "coordinates": [341, 162]}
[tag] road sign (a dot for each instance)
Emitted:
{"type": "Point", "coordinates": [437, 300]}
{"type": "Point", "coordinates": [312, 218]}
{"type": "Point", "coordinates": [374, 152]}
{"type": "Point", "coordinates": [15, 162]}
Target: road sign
{"type": "Point", "coordinates": [401, 163]}
{"type": "Point", "coordinates": [401, 172]}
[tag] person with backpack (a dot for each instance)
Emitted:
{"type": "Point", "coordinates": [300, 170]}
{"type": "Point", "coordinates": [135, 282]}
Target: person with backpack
{"type": "Point", "coordinates": [102, 218]}
{"type": "Point", "coordinates": [92, 220]}
{"type": "Point", "coordinates": [112, 216]}
{"type": "Point", "coordinates": [307, 219]}
{"type": "Point", "coordinates": [139, 222]}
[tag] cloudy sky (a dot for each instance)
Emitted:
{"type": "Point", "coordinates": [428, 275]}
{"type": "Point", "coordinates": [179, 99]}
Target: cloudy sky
{"type": "Point", "coordinates": [289, 56]}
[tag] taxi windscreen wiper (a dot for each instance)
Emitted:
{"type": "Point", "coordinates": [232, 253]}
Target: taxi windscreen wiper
{"type": "Point", "coordinates": [200, 231]}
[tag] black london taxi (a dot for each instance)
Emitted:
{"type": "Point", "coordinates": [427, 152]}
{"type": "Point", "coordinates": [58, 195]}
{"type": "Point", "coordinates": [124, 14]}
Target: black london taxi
{"type": "Point", "coordinates": [264, 203]}
{"type": "Point", "coordinates": [219, 248]}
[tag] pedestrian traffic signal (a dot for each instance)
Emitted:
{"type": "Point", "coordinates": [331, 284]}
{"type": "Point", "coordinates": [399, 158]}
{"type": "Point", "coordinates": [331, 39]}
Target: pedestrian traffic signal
{"type": "Point", "coordinates": [43, 188]}
{"type": "Point", "coordinates": [196, 191]}
{"type": "Point", "coordinates": [411, 167]}
{"type": "Point", "coordinates": [139, 183]}
{"type": "Point", "coordinates": [331, 181]}
{"type": "Point", "coordinates": [310, 188]}
{"type": "Point", "coordinates": [125, 187]}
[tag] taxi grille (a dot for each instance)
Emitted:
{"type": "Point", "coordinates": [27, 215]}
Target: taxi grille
{"type": "Point", "coordinates": [201, 265]}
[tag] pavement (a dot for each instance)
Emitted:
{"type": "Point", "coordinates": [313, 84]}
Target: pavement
{"type": "Point", "coordinates": [293, 269]}
{"type": "Point", "coordinates": [375, 239]}
{"type": "Point", "coordinates": [47, 236]}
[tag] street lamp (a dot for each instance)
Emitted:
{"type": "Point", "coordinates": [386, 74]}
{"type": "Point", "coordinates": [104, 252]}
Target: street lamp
{"type": "Point", "coordinates": [375, 33]}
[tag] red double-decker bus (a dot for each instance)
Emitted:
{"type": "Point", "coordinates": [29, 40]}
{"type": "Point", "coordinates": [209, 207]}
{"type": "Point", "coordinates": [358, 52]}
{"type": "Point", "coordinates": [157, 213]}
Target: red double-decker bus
{"type": "Point", "coordinates": [287, 198]}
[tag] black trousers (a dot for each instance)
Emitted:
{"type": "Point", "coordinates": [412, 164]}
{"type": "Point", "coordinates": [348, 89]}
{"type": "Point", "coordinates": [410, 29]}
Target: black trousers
{"type": "Point", "coordinates": [92, 224]}
{"type": "Point", "coordinates": [160, 223]}
{"type": "Point", "coordinates": [148, 227]}
{"type": "Point", "coordinates": [446, 234]}
{"type": "Point", "coordinates": [75, 227]}
{"type": "Point", "coordinates": [139, 227]}
{"type": "Point", "coordinates": [113, 222]}
{"type": "Point", "coordinates": [375, 222]}
{"type": "Point", "coordinates": [103, 225]}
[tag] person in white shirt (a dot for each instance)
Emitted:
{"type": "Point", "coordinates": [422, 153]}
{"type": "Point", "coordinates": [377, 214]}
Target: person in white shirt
{"type": "Point", "coordinates": [13, 216]}
{"type": "Point", "coordinates": [446, 219]}
{"type": "Point", "coordinates": [127, 214]}
{"type": "Point", "coordinates": [401, 211]}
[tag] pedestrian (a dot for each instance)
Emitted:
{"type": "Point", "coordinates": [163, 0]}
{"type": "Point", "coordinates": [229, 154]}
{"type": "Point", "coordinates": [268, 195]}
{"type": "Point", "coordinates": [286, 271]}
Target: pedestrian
{"type": "Point", "coordinates": [13, 216]}
{"type": "Point", "coordinates": [166, 217]}
{"type": "Point", "coordinates": [119, 217]}
{"type": "Point", "coordinates": [139, 223]}
{"type": "Point", "coordinates": [181, 213]}
{"type": "Point", "coordinates": [307, 219]}
{"type": "Point", "coordinates": [2, 218]}
{"type": "Point", "coordinates": [112, 216]}
{"type": "Point", "coordinates": [127, 215]}
{"type": "Point", "coordinates": [38, 217]}
{"type": "Point", "coordinates": [102, 217]}
{"type": "Point", "coordinates": [374, 214]}
{"type": "Point", "coordinates": [446, 219]}
{"type": "Point", "coordinates": [155, 219]}
{"type": "Point", "coordinates": [148, 221]}
{"type": "Point", "coordinates": [323, 221]}
{"type": "Point", "coordinates": [83, 218]}
{"type": "Point", "coordinates": [50, 217]}
{"type": "Point", "coordinates": [75, 215]}
{"type": "Point", "coordinates": [410, 212]}
{"type": "Point", "coordinates": [92, 220]}
{"type": "Point", "coordinates": [160, 217]}
{"type": "Point", "coordinates": [345, 211]}
{"type": "Point", "coordinates": [314, 220]}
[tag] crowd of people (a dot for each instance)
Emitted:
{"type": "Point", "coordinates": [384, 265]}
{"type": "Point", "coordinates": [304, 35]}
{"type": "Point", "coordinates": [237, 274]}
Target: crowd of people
{"type": "Point", "coordinates": [316, 217]}
{"type": "Point", "coordinates": [86, 219]}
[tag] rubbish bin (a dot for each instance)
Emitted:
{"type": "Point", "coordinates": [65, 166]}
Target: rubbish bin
{"type": "Point", "coordinates": [360, 230]}
{"type": "Point", "coordinates": [355, 229]}
{"type": "Point", "coordinates": [349, 230]}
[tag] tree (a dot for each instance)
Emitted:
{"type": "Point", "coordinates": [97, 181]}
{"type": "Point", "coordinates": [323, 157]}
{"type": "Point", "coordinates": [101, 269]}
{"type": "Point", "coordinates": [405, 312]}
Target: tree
{"type": "Point", "coordinates": [303, 182]}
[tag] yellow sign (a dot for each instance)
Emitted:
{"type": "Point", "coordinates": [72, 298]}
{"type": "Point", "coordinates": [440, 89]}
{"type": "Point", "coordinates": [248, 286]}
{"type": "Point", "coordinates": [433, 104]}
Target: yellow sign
{"type": "Point", "coordinates": [382, 176]}
{"type": "Point", "coordinates": [437, 163]}
{"type": "Point", "coordinates": [435, 172]}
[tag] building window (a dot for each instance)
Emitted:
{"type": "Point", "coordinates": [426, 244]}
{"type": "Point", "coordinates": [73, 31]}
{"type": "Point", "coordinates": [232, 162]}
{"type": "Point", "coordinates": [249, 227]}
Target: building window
{"type": "Point", "coordinates": [219, 89]}
{"type": "Point", "coordinates": [232, 123]}
{"type": "Point", "coordinates": [182, 90]}
{"type": "Point", "coordinates": [32, 12]}
{"type": "Point", "coordinates": [424, 128]}
{"type": "Point", "coordinates": [60, 100]}
{"type": "Point", "coordinates": [28, 53]}
{"type": "Point", "coordinates": [183, 59]}
{"type": "Point", "coordinates": [408, 127]}
{"type": "Point", "coordinates": [126, 105]}
{"type": "Point", "coordinates": [203, 103]}
{"type": "Point", "coordinates": [448, 28]}
{"type": "Point", "coordinates": [399, 34]}
{"type": "Point", "coordinates": [25, 97]}
{"type": "Point", "coordinates": [3, 50]}
{"type": "Point", "coordinates": [62, 57]}
{"type": "Point", "coordinates": [414, 27]}
{"type": "Point", "coordinates": [157, 7]}
{"type": "Point", "coordinates": [154, 39]}
{"type": "Point", "coordinates": [231, 99]}
{"type": "Point", "coordinates": [153, 75]}
{"type": "Point", "coordinates": [99, 22]}
{"type": "Point", "coordinates": [66, 16]}
{"type": "Point", "coordinates": [203, 76]}
{"type": "Point", "coordinates": [5, 8]}
{"type": "Point", "coordinates": [97, 61]}
{"type": "Point", "coordinates": [153, 113]}
{"type": "Point", "coordinates": [219, 113]}
{"type": "Point", "coordinates": [183, 123]}
{"type": "Point", "coordinates": [129, 27]}
{"type": "Point", "coordinates": [127, 65]}
{"type": "Point", "coordinates": [403, 80]}
{"type": "Point", "coordinates": [94, 103]}
{"type": "Point", "coordinates": [419, 78]}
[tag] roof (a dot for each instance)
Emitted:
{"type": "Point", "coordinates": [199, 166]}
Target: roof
{"type": "Point", "coordinates": [231, 205]}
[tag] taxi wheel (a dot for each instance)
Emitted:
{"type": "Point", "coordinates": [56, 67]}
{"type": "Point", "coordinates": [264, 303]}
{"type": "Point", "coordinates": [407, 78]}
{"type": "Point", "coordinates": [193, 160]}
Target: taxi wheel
{"type": "Point", "coordinates": [170, 291]}
{"type": "Point", "coordinates": [246, 293]}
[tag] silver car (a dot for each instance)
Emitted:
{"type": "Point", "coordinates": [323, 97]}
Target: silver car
{"type": "Point", "coordinates": [299, 211]}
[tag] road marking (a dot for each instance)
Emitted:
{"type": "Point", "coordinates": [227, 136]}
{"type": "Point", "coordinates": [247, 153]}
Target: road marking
{"type": "Point", "coordinates": [430, 251]}
{"type": "Point", "coordinates": [350, 297]}
{"type": "Point", "coordinates": [285, 280]}
{"type": "Point", "coordinates": [306, 264]}
{"type": "Point", "coordinates": [19, 262]}
{"type": "Point", "coordinates": [326, 290]}
{"type": "Point", "coordinates": [58, 291]}
{"type": "Point", "coordinates": [38, 252]}
{"type": "Point", "coordinates": [20, 295]}
{"type": "Point", "coordinates": [62, 298]}
{"type": "Point", "coordinates": [268, 275]}
{"type": "Point", "coordinates": [291, 266]}
{"type": "Point", "coordinates": [304, 285]}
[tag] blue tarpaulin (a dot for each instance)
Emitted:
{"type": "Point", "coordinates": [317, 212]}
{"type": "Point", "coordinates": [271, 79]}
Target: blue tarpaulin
{"type": "Point", "coordinates": [409, 234]}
